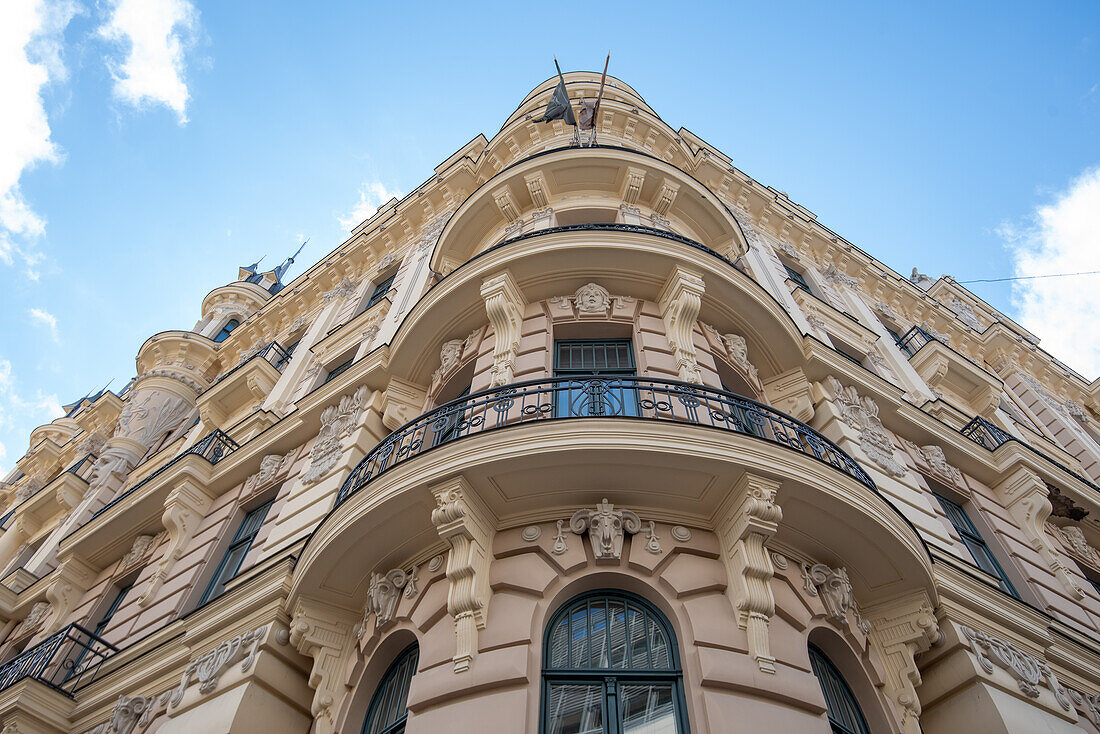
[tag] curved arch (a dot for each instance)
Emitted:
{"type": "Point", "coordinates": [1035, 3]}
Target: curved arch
{"type": "Point", "coordinates": [844, 662]}
{"type": "Point", "coordinates": [388, 708]}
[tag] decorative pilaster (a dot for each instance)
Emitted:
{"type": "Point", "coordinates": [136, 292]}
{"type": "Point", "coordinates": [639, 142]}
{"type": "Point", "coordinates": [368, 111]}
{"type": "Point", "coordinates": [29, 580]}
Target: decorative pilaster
{"type": "Point", "coordinates": [745, 520]}
{"type": "Point", "coordinates": [184, 509]}
{"type": "Point", "coordinates": [680, 301]}
{"type": "Point", "coordinates": [504, 305]}
{"type": "Point", "coordinates": [1024, 495]}
{"type": "Point", "coordinates": [901, 629]}
{"type": "Point", "coordinates": [464, 521]}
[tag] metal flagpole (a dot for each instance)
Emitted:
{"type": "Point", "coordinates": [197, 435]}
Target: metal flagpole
{"type": "Point", "coordinates": [576, 130]}
{"type": "Point", "coordinates": [596, 109]}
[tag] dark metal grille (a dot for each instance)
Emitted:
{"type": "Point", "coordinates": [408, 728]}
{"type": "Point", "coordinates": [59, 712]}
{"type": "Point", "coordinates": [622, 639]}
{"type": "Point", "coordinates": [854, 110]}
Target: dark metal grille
{"type": "Point", "coordinates": [213, 447]}
{"type": "Point", "coordinates": [593, 356]}
{"type": "Point", "coordinates": [592, 396]}
{"type": "Point", "coordinates": [273, 353]}
{"type": "Point", "coordinates": [67, 660]}
{"type": "Point", "coordinates": [914, 339]}
{"type": "Point", "coordinates": [982, 432]}
{"type": "Point", "coordinates": [845, 716]}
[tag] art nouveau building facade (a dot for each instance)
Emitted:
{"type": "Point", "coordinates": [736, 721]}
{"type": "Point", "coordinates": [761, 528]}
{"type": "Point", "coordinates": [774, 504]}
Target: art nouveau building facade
{"type": "Point", "coordinates": [600, 438]}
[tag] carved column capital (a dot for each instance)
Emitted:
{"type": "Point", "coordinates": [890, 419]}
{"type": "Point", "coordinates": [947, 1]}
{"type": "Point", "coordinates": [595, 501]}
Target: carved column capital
{"type": "Point", "coordinates": [504, 305]}
{"type": "Point", "coordinates": [468, 525]}
{"type": "Point", "coordinates": [680, 300]}
{"type": "Point", "coordinates": [745, 520]}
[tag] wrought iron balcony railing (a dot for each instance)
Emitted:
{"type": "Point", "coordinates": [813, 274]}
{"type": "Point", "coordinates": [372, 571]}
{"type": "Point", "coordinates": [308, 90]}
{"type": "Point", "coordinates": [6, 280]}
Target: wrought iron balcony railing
{"type": "Point", "coordinates": [273, 353]}
{"type": "Point", "coordinates": [982, 432]}
{"type": "Point", "coordinates": [67, 660]}
{"type": "Point", "coordinates": [914, 339]}
{"type": "Point", "coordinates": [596, 397]}
{"type": "Point", "coordinates": [213, 447]}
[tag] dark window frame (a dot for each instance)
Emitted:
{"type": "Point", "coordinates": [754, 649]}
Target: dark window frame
{"type": "Point", "coordinates": [977, 546]}
{"type": "Point", "coordinates": [381, 290]}
{"type": "Point", "coordinates": [392, 689]}
{"type": "Point", "coordinates": [242, 541]}
{"type": "Point", "coordinates": [610, 679]}
{"type": "Point", "coordinates": [841, 705]}
{"type": "Point", "coordinates": [339, 369]}
{"type": "Point", "coordinates": [798, 278]}
{"type": "Point", "coordinates": [567, 396]}
{"type": "Point", "coordinates": [226, 330]}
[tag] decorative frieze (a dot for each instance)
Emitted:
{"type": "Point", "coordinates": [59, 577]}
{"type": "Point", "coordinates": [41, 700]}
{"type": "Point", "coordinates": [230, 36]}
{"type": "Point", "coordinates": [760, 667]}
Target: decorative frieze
{"type": "Point", "coordinates": [835, 591]}
{"type": "Point", "coordinates": [606, 528]}
{"type": "Point", "coordinates": [92, 443]}
{"type": "Point", "coordinates": [337, 422]}
{"type": "Point", "coordinates": [208, 669]}
{"type": "Point", "coordinates": [1028, 671]}
{"type": "Point", "coordinates": [591, 298]}
{"type": "Point", "coordinates": [861, 413]}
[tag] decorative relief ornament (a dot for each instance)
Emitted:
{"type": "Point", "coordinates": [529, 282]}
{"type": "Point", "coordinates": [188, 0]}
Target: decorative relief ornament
{"type": "Point", "coordinates": [35, 617]}
{"type": "Point", "coordinates": [780, 561]}
{"type": "Point", "coordinates": [835, 590]}
{"type": "Point", "coordinates": [1075, 542]}
{"type": "Point", "coordinates": [432, 232]}
{"type": "Point", "coordinates": [132, 712]}
{"type": "Point", "coordinates": [257, 346]}
{"type": "Point", "coordinates": [591, 298]}
{"type": "Point", "coordinates": [449, 355]}
{"type": "Point", "coordinates": [138, 550]}
{"type": "Point", "coordinates": [344, 289]}
{"type": "Point", "coordinates": [270, 466]}
{"type": "Point", "coordinates": [937, 460]}
{"type": "Point", "coordinates": [31, 486]}
{"type": "Point", "coordinates": [436, 563]}
{"type": "Point", "coordinates": [531, 533]}
{"type": "Point", "coordinates": [337, 422]}
{"type": "Point", "coordinates": [680, 533]}
{"type": "Point", "coordinates": [815, 322]}
{"type": "Point", "coordinates": [606, 527]}
{"type": "Point", "coordinates": [885, 309]}
{"type": "Point", "coordinates": [928, 329]}
{"type": "Point", "coordinates": [209, 668]}
{"type": "Point", "coordinates": [92, 444]}
{"type": "Point", "coordinates": [149, 415]}
{"type": "Point", "coordinates": [1028, 671]}
{"type": "Point", "coordinates": [861, 413]}
{"type": "Point", "coordinates": [652, 542]}
{"type": "Point", "coordinates": [965, 312]}
{"type": "Point", "coordinates": [745, 221]}
{"type": "Point", "coordinates": [559, 540]}
{"type": "Point", "coordinates": [382, 595]}
{"type": "Point", "coordinates": [836, 276]}
{"type": "Point", "coordinates": [388, 259]}
{"type": "Point", "coordinates": [788, 249]}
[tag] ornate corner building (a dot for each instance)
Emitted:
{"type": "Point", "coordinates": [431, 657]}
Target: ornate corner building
{"type": "Point", "coordinates": [575, 438]}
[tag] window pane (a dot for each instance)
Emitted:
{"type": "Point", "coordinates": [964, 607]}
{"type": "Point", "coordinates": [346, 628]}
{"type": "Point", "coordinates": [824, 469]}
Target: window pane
{"type": "Point", "coordinates": [579, 655]}
{"type": "Point", "coordinates": [658, 647]}
{"type": "Point", "coordinates": [647, 709]}
{"type": "Point", "coordinates": [843, 710]}
{"type": "Point", "coordinates": [387, 711]}
{"type": "Point", "coordinates": [617, 624]}
{"type": "Point", "coordinates": [639, 655]}
{"type": "Point", "coordinates": [598, 633]}
{"type": "Point", "coordinates": [575, 709]}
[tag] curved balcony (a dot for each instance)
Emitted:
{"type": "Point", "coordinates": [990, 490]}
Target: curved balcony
{"type": "Point", "coordinates": [638, 398]}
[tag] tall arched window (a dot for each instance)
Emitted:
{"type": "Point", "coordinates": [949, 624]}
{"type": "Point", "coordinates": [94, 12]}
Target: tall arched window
{"type": "Point", "coordinates": [845, 715]}
{"type": "Point", "coordinates": [229, 327]}
{"type": "Point", "coordinates": [610, 666]}
{"type": "Point", "coordinates": [387, 712]}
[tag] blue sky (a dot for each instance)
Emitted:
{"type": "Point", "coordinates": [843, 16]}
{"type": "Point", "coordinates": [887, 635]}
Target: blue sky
{"type": "Point", "coordinates": [151, 146]}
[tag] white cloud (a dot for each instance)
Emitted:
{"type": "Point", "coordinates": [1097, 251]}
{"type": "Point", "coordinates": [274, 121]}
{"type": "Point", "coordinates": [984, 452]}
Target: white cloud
{"type": "Point", "coordinates": [44, 318]}
{"type": "Point", "coordinates": [371, 196]}
{"type": "Point", "coordinates": [19, 415]}
{"type": "Point", "coordinates": [1061, 237]}
{"type": "Point", "coordinates": [31, 43]}
{"type": "Point", "coordinates": [156, 34]}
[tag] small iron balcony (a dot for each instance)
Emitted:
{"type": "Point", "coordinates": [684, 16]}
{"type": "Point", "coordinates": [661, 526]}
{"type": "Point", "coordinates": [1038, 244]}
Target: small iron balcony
{"type": "Point", "coordinates": [913, 340]}
{"type": "Point", "coordinates": [982, 432]}
{"type": "Point", "coordinates": [67, 660]}
{"type": "Point", "coordinates": [596, 397]}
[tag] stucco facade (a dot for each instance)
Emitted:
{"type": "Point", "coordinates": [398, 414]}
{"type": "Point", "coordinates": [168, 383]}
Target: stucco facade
{"type": "Point", "coordinates": [556, 389]}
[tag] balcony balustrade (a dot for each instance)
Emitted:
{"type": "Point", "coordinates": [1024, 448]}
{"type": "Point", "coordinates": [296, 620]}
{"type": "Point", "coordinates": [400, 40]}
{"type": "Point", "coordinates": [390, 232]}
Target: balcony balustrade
{"type": "Point", "coordinates": [984, 433]}
{"type": "Point", "coordinates": [914, 339]}
{"type": "Point", "coordinates": [67, 660]}
{"type": "Point", "coordinates": [595, 396]}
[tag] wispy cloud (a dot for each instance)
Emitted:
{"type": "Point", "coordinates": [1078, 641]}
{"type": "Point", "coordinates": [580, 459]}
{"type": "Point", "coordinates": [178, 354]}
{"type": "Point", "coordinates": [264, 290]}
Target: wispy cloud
{"type": "Point", "coordinates": [372, 195]}
{"type": "Point", "coordinates": [1061, 237]}
{"type": "Point", "coordinates": [156, 35]}
{"type": "Point", "coordinates": [31, 44]}
{"type": "Point", "coordinates": [41, 317]}
{"type": "Point", "coordinates": [19, 415]}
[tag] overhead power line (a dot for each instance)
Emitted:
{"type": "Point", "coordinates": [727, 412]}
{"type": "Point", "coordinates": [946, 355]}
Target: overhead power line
{"type": "Point", "coordinates": [1029, 277]}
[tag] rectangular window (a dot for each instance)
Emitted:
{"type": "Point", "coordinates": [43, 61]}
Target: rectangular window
{"type": "Point", "coordinates": [339, 369]}
{"type": "Point", "coordinates": [798, 278]}
{"type": "Point", "coordinates": [974, 542]}
{"type": "Point", "coordinates": [238, 549]}
{"type": "Point", "coordinates": [608, 359]}
{"type": "Point", "coordinates": [381, 290]}
{"type": "Point", "coordinates": [105, 621]}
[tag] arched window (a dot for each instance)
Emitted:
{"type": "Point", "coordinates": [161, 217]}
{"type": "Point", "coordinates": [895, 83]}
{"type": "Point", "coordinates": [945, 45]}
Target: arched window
{"type": "Point", "coordinates": [610, 665]}
{"type": "Point", "coordinates": [387, 712]}
{"type": "Point", "coordinates": [224, 333]}
{"type": "Point", "coordinates": [845, 715]}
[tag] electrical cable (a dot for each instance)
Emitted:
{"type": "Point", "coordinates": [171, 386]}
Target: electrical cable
{"type": "Point", "coordinates": [1028, 277]}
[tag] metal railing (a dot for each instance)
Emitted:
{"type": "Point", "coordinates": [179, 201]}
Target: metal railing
{"type": "Point", "coordinates": [213, 447]}
{"type": "Point", "coordinates": [914, 339]}
{"type": "Point", "coordinates": [67, 660]}
{"type": "Point", "coordinates": [274, 353]}
{"type": "Point", "coordinates": [596, 397]}
{"type": "Point", "coordinates": [982, 432]}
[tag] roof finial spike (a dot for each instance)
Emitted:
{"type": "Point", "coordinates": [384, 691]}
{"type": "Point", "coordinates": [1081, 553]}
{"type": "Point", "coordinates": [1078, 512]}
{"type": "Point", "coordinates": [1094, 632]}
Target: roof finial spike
{"type": "Point", "coordinates": [281, 270]}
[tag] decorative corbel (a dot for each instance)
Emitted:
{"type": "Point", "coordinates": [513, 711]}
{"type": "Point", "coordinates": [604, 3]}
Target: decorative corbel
{"type": "Point", "coordinates": [184, 509]}
{"type": "Point", "coordinates": [635, 179]}
{"type": "Point", "coordinates": [666, 197]}
{"type": "Point", "coordinates": [745, 520]}
{"type": "Point", "coordinates": [504, 305]}
{"type": "Point", "coordinates": [466, 523]}
{"type": "Point", "coordinates": [536, 186]}
{"type": "Point", "coordinates": [324, 633]}
{"type": "Point", "coordinates": [901, 629]}
{"type": "Point", "coordinates": [506, 203]}
{"type": "Point", "coordinates": [402, 401]}
{"type": "Point", "coordinates": [73, 578]}
{"type": "Point", "coordinates": [680, 301]}
{"type": "Point", "coordinates": [1024, 495]}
